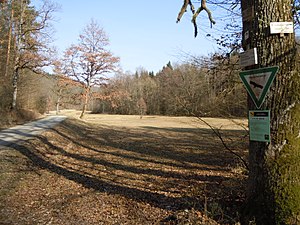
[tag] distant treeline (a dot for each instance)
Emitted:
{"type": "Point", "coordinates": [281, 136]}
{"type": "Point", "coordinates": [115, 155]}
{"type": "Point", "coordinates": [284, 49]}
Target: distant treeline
{"type": "Point", "coordinates": [206, 87]}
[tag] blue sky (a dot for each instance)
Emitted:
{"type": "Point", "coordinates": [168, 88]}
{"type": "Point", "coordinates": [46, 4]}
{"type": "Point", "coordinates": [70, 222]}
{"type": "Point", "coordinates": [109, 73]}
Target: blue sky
{"type": "Point", "coordinates": [142, 33]}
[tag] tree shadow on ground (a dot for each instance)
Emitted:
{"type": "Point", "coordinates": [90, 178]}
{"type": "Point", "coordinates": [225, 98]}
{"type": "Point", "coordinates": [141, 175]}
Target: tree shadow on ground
{"type": "Point", "coordinates": [172, 169]}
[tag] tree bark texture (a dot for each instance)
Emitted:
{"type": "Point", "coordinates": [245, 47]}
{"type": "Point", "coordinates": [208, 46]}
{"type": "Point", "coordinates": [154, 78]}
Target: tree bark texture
{"type": "Point", "coordinates": [9, 41]}
{"type": "Point", "coordinates": [274, 176]}
{"type": "Point", "coordinates": [16, 76]}
{"type": "Point", "coordinates": [85, 101]}
{"type": "Point", "coordinates": [18, 49]}
{"type": "Point", "coordinates": [58, 101]}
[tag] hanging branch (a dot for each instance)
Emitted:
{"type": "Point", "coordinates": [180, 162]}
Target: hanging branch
{"type": "Point", "coordinates": [186, 3]}
{"type": "Point", "coordinates": [203, 6]}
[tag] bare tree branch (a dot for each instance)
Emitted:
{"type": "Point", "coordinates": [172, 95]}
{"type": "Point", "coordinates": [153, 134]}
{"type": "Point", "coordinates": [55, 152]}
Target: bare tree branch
{"type": "Point", "coordinates": [184, 8]}
{"type": "Point", "coordinates": [219, 135]}
{"type": "Point", "coordinates": [203, 6]}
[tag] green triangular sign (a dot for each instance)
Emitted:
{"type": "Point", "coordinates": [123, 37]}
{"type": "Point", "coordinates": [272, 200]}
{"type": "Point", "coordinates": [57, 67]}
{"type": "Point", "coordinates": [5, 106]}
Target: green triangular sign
{"type": "Point", "coordinates": [258, 82]}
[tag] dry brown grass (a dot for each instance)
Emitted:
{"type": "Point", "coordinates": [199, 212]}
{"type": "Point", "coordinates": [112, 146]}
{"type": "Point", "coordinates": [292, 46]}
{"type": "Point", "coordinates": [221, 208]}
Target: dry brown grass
{"type": "Point", "coordinates": [110, 169]}
{"type": "Point", "coordinates": [20, 116]}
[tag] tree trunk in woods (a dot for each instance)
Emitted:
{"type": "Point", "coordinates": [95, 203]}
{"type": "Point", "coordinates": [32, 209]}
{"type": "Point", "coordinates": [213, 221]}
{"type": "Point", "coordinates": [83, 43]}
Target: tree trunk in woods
{"type": "Point", "coordinates": [16, 76]}
{"type": "Point", "coordinates": [18, 49]}
{"type": "Point", "coordinates": [58, 101]}
{"type": "Point", "coordinates": [85, 103]}
{"type": "Point", "coordinates": [274, 176]}
{"type": "Point", "coordinates": [9, 40]}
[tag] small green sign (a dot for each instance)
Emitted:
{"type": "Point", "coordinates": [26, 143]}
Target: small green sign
{"type": "Point", "coordinates": [258, 82]}
{"type": "Point", "coordinates": [259, 125]}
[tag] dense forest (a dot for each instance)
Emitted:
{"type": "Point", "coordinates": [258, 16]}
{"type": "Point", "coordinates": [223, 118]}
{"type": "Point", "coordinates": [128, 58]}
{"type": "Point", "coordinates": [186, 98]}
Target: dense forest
{"type": "Point", "coordinates": [210, 87]}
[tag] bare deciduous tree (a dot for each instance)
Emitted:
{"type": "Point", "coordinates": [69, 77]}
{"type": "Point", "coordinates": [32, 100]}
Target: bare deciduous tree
{"type": "Point", "coordinates": [89, 61]}
{"type": "Point", "coordinates": [31, 47]}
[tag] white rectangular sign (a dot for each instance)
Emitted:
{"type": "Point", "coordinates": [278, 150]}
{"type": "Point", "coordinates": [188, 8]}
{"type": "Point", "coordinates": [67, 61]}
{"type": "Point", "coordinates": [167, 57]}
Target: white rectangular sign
{"type": "Point", "coordinates": [248, 58]}
{"type": "Point", "coordinates": [281, 27]}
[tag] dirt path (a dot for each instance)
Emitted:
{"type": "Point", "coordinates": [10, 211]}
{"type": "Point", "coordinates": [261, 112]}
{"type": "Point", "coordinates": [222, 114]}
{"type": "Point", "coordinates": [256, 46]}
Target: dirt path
{"type": "Point", "coordinates": [105, 171]}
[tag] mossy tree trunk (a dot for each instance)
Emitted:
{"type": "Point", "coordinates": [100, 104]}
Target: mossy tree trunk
{"type": "Point", "coordinates": [274, 178]}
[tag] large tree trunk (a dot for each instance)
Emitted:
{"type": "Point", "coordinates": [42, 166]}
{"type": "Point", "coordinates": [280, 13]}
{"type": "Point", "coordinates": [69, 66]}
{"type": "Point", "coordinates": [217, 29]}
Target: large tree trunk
{"type": "Point", "coordinates": [274, 178]}
{"type": "Point", "coordinates": [9, 41]}
{"type": "Point", "coordinates": [18, 49]}
{"type": "Point", "coordinates": [16, 76]}
{"type": "Point", "coordinates": [85, 101]}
